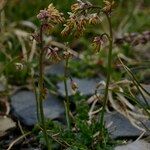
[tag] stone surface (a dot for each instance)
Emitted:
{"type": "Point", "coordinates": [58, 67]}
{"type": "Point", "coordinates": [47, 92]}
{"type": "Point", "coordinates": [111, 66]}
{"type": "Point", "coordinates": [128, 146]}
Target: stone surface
{"type": "Point", "coordinates": [137, 145]}
{"type": "Point", "coordinates": [85, 86]}
{"type": "Point", "coordinates": [121, 127]}
{"type": "Point", "coordinates": [24, 107]}
{"type": "Point", "coordinates": [56, 69]}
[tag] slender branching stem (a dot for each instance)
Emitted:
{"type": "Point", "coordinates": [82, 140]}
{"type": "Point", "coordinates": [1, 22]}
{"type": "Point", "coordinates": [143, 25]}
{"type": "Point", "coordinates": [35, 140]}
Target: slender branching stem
{"type": "Point", "coordinates": [41, 111]}
{"type": "Point", "coordinates": [101, 120]}
{"type": "Point", "coordinates": [67, 102]}
{"type": "Point", "coordinates": [36, 96]}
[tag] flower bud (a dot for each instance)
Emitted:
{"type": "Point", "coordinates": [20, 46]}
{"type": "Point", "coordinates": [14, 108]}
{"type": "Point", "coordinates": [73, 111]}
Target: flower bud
{"type": "Point", "coordinates": [19, 66]}
{"type": "Point", "coordinates": [74, 86]}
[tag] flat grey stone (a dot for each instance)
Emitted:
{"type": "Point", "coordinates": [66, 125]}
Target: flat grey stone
{"type": "Point", "coordinates": [137, 145]}
{"type": "Point", "coordinates": [85, 86]}
{"type": "Point", "coordinates": [121, 126]}
{"type": "Point", "coordinates": [23, 105]}
{"type": "Point", "coordinates": [55, 69]}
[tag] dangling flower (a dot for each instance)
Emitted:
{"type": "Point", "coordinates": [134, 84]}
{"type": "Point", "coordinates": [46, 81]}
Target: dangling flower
{"type": "Point", "coordinates": [94, 18]}
{"type": "Point", "coordinates": [75, 7]}
{"type": "Point", "coordinates": [43, 15]}
{"type": "Point", "coordinates": [80, 25]}
{"type": "Point", "coordinates": [54, 15]}
{"type": "Point", "coordinates": [70, 24]}
{"type": "Point", "coordinates": [80, 5]}
{"type": "Point", "coordinates": [74, 86]}
{"type": "Point", "coordinates": [66, 30]}
{"type": "Point", "coordinates": [19, 66]}
{"type": "Point", "coordinates": [109, 5]}
{"type": "Point", "coordinates": [75, 22]}
{"type": "Point", "coordinates": [97, 43]}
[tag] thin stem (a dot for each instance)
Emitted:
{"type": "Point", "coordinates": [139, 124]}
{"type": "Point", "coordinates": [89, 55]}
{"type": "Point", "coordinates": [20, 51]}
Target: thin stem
{"type": "Point", "coordinates": [36, 96]}
{"type": "Point", "coordinates": [67, 102]}
{"type": "Point", "coordinates": [101, 121]}
{"type": "Point", "coordinates": [42, 118]}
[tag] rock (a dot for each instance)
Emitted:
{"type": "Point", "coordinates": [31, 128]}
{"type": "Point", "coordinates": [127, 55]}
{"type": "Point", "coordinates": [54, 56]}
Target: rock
{"type": "Point", "coordinates": [24, 107]}
{"type": "Point", "coordinates": [85, 86]}
{"type": "Point", "coordinates": [137, 145]}
{"type": "Point", "coordinates": [5, 125]}
{"type": "Point", "coordinates": [121, 126]}
{"type": "Point", "coordinates": [55, 69]}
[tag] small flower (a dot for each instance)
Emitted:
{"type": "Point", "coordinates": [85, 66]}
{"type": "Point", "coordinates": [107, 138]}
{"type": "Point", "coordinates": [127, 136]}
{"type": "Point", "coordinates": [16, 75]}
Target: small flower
{"type": "Point", "coordinates": [80, 5]}
{"type": "Point", "coordinates": [81, 22]}
{"type": "Point", "coordinates": [75, 7]}
{"type": "Point", "coordinates": [54, 14]}
{"type": "Point", "coordinates": [97, 43]}
{"type": "Point", "coordinates": [94, 18]}
{"type": "Point", "coordinates": [52, 53]}
{"type": "Point", "coordinates": [43, 15]}
{"type": "Point", "coordinates": [19, 66]}
{"type": "Point", "coordinates": [70, 24]}
{"type": "Point", "coordinates": [66, 30]}
{"type": "Point", "coordinates": [77, 23]}
{"type": "Point", "coordinates": [109, 5]}
{"type": "Point", "coordinates": [74, 86]}
{"type": "Point", "coordinates": [80, 25]}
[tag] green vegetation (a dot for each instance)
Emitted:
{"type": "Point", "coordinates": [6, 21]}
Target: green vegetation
{"type": "Point", "coordinates": [96, 38]}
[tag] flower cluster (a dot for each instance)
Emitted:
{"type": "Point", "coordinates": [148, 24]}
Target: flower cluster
{"type": "Point", "coordinates": [79, 18]}
{"type": "Point", "coordinates": [50, 17]}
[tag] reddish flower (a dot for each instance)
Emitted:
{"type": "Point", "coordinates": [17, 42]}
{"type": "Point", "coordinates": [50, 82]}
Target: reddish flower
{"type": "Point", "coordinates": [97, 43]}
